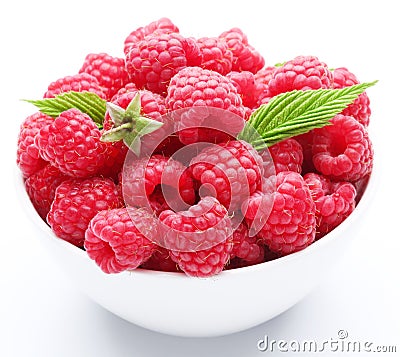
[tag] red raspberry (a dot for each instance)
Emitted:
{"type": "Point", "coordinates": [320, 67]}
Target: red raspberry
{"type": "Point", "coordinates": [333, 201]}
{"type": "Point", "coordinates": [269, 255]}
{"type": "Point", "coordinates": [114, 241]}
{"type": "Point", "coordinates": [361, 186]}
{"type": "Point", "coordinates": [264, 97]}
{"type": "Point", "coordinates": [265, 256]}
{"type": "Point", "coordinates": [129, 87]}
{"type": "Point", "coordinates": [81, 82]}
{"type": "Point", "coordinates": [245, 57]}
{"type": "Point", "coordinates": [233, 170]}
{"type": "Point", "coordinates": [343, 150]}
{"type": "Point", "coordinates": [115, 154]}
{"type": "Point", "coordinates": [152, 62]}
{"type": "Point", "coordinates": [290, 227]}
{"type": "Point", "coordinates": [216, 55]}
{"type": "Point", "coordinates": [163, 25]}
{"type": "Point", "coordinates": [161, 261]}
{"type": "Point", "coordinates": [262, 78]}
{"type": "Point", "coordinates": [359, 109]}
{"type": "Point", "coordinates": [306, 142]}
{"type": "Point", "coordinates": [249, 249]}
{"type": "Point", "coordinates": [251, 208]}
{"type": "Point", "coordinates": [28, 158]}
{"type": "Point", "coordinates": [109, 71]}
{"type": "Point", "coordinates": [247, 87]}
{"type": "Point", "coordinates": [287, 155]}
{"type": "Point", "coordinates": [236, 263]}
{"type": "Point", "coordinates": [197, 87]}
{"type": "Point", "coordinates": [319, 185]}
{"type": "Point", "coordinates": [169, 146]}
{"type": "Point", "coordinates": [264, 75]}
{"type": "Point", "coordinates": [152, 104]}
{"type": "Point", "coordinates": [141, 177]}
{"type": "Point", "coordinates": [72, 144]}
{"type": "Point", "coordinates": [247, 113]}
{"type": "Point", "coordinates": [157, 201]}
{"type": "Point", "coordinates": [41, 188]}
{"type": "Point", "coordinates": [76, 202]}
{"type": "Point", "coordinates": [203, 225]}
{"type": "Point", "coordinates": [301, 73]}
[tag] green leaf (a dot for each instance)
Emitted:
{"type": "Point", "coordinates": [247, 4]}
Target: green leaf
{"type": "Point", "coordinates": [297, 112]}
{"type": "Point", "coordinates": [279, 64]}
{"type": "Point", "coordinates": [87, 102]}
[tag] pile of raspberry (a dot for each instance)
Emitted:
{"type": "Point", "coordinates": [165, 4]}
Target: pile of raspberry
{"type": "Point", "coordinates": [117, 213]}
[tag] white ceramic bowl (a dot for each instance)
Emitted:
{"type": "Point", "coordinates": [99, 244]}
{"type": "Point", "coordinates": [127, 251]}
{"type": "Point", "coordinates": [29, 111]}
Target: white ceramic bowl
{"type": "Point", "coordinates": [173, 303]}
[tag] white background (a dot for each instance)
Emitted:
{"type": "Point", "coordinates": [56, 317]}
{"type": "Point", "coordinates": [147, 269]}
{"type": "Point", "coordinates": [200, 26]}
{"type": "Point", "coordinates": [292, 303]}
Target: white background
{"type": "Point", "coordinates": [42, 314]}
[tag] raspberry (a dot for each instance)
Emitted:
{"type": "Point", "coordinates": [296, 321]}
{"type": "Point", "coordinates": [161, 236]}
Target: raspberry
{"type": "Point", "coordinates": [141, 177]}
{"type": "Point", "coordinates": [269, 255]}
{"type": "Point", "coordinates": [359, 109]}
{"type": "Point", "coordinates": [306, 142]}
{"type": "Point", "coordinates": [196, 87]}
{"type": "Point", "coordinates": [291, 225]}
{"type": "Point", "coordinates": [265, 256]}
{"type": "Point", "coordinates": [247, 113]}
{"type": "Point", "coordinates": [28, 158]}
{"type": "Point", "coordinates": [233, 170]}
{"type": "Point", "coordinates": [152, 104]}
{"type": "Point", "coordinates": [41, 187]}
{"type": "Point", "coordinates": [333, 201]}
{"type": "Point", "coordinates": [301, 73]}
{"type": "Point", "coordinates": [157, 201]}
{"type": "Point", "coordinates": [153, 61]}
{"type": "Point", "coordinates": [81, 82]}
{"type": "Point", "coordinates": [203, 225]}
{"type": "Point", "coordinates": [247, 87]}
{"type": "Point", "coordinates": [109, 71]}
{"type": "Point", "coordinates": [76, 202]}
{"type": "Point", "coordinates": [264, 75]}
{"type": "Point", "coordinates": [216, 55]}
{"type": "Point", "coordinates": [169, 146]}
{"type": "Point", "coordinates": [129, 87]}
{"type": "Point", "coordinates": [264, 97]}
{"type": "Point", "coordinates": [160, 261]}
{"type": "Point", "coordinates": [163, 25]}
{"type": "Point", "coordinates": [72, 144]}
{"type": "Point", "coordinates": [361, 186]}
{"type": "Point", "coordinates": [319, 185]}
{"type": "Point", "coordinates": [114, 241]}
{"type": "Point", "coordinates": [287, 155]}
{"type": "Point", "coordinates": [115, 154]}
{"type": "Point", "coordinates": [262, 78]}
{"type": "Point", "coordinates": [343, 150]}
{"type": "Point", "coordinates": [235, 263]}
{"type": "Point", "coordinates": [249, 249]}
{"type": "Point", "coordinates": [245, 57]}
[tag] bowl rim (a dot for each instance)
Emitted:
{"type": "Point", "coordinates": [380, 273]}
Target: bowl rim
{"type": "Point", "coordinates": [315, 246]}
